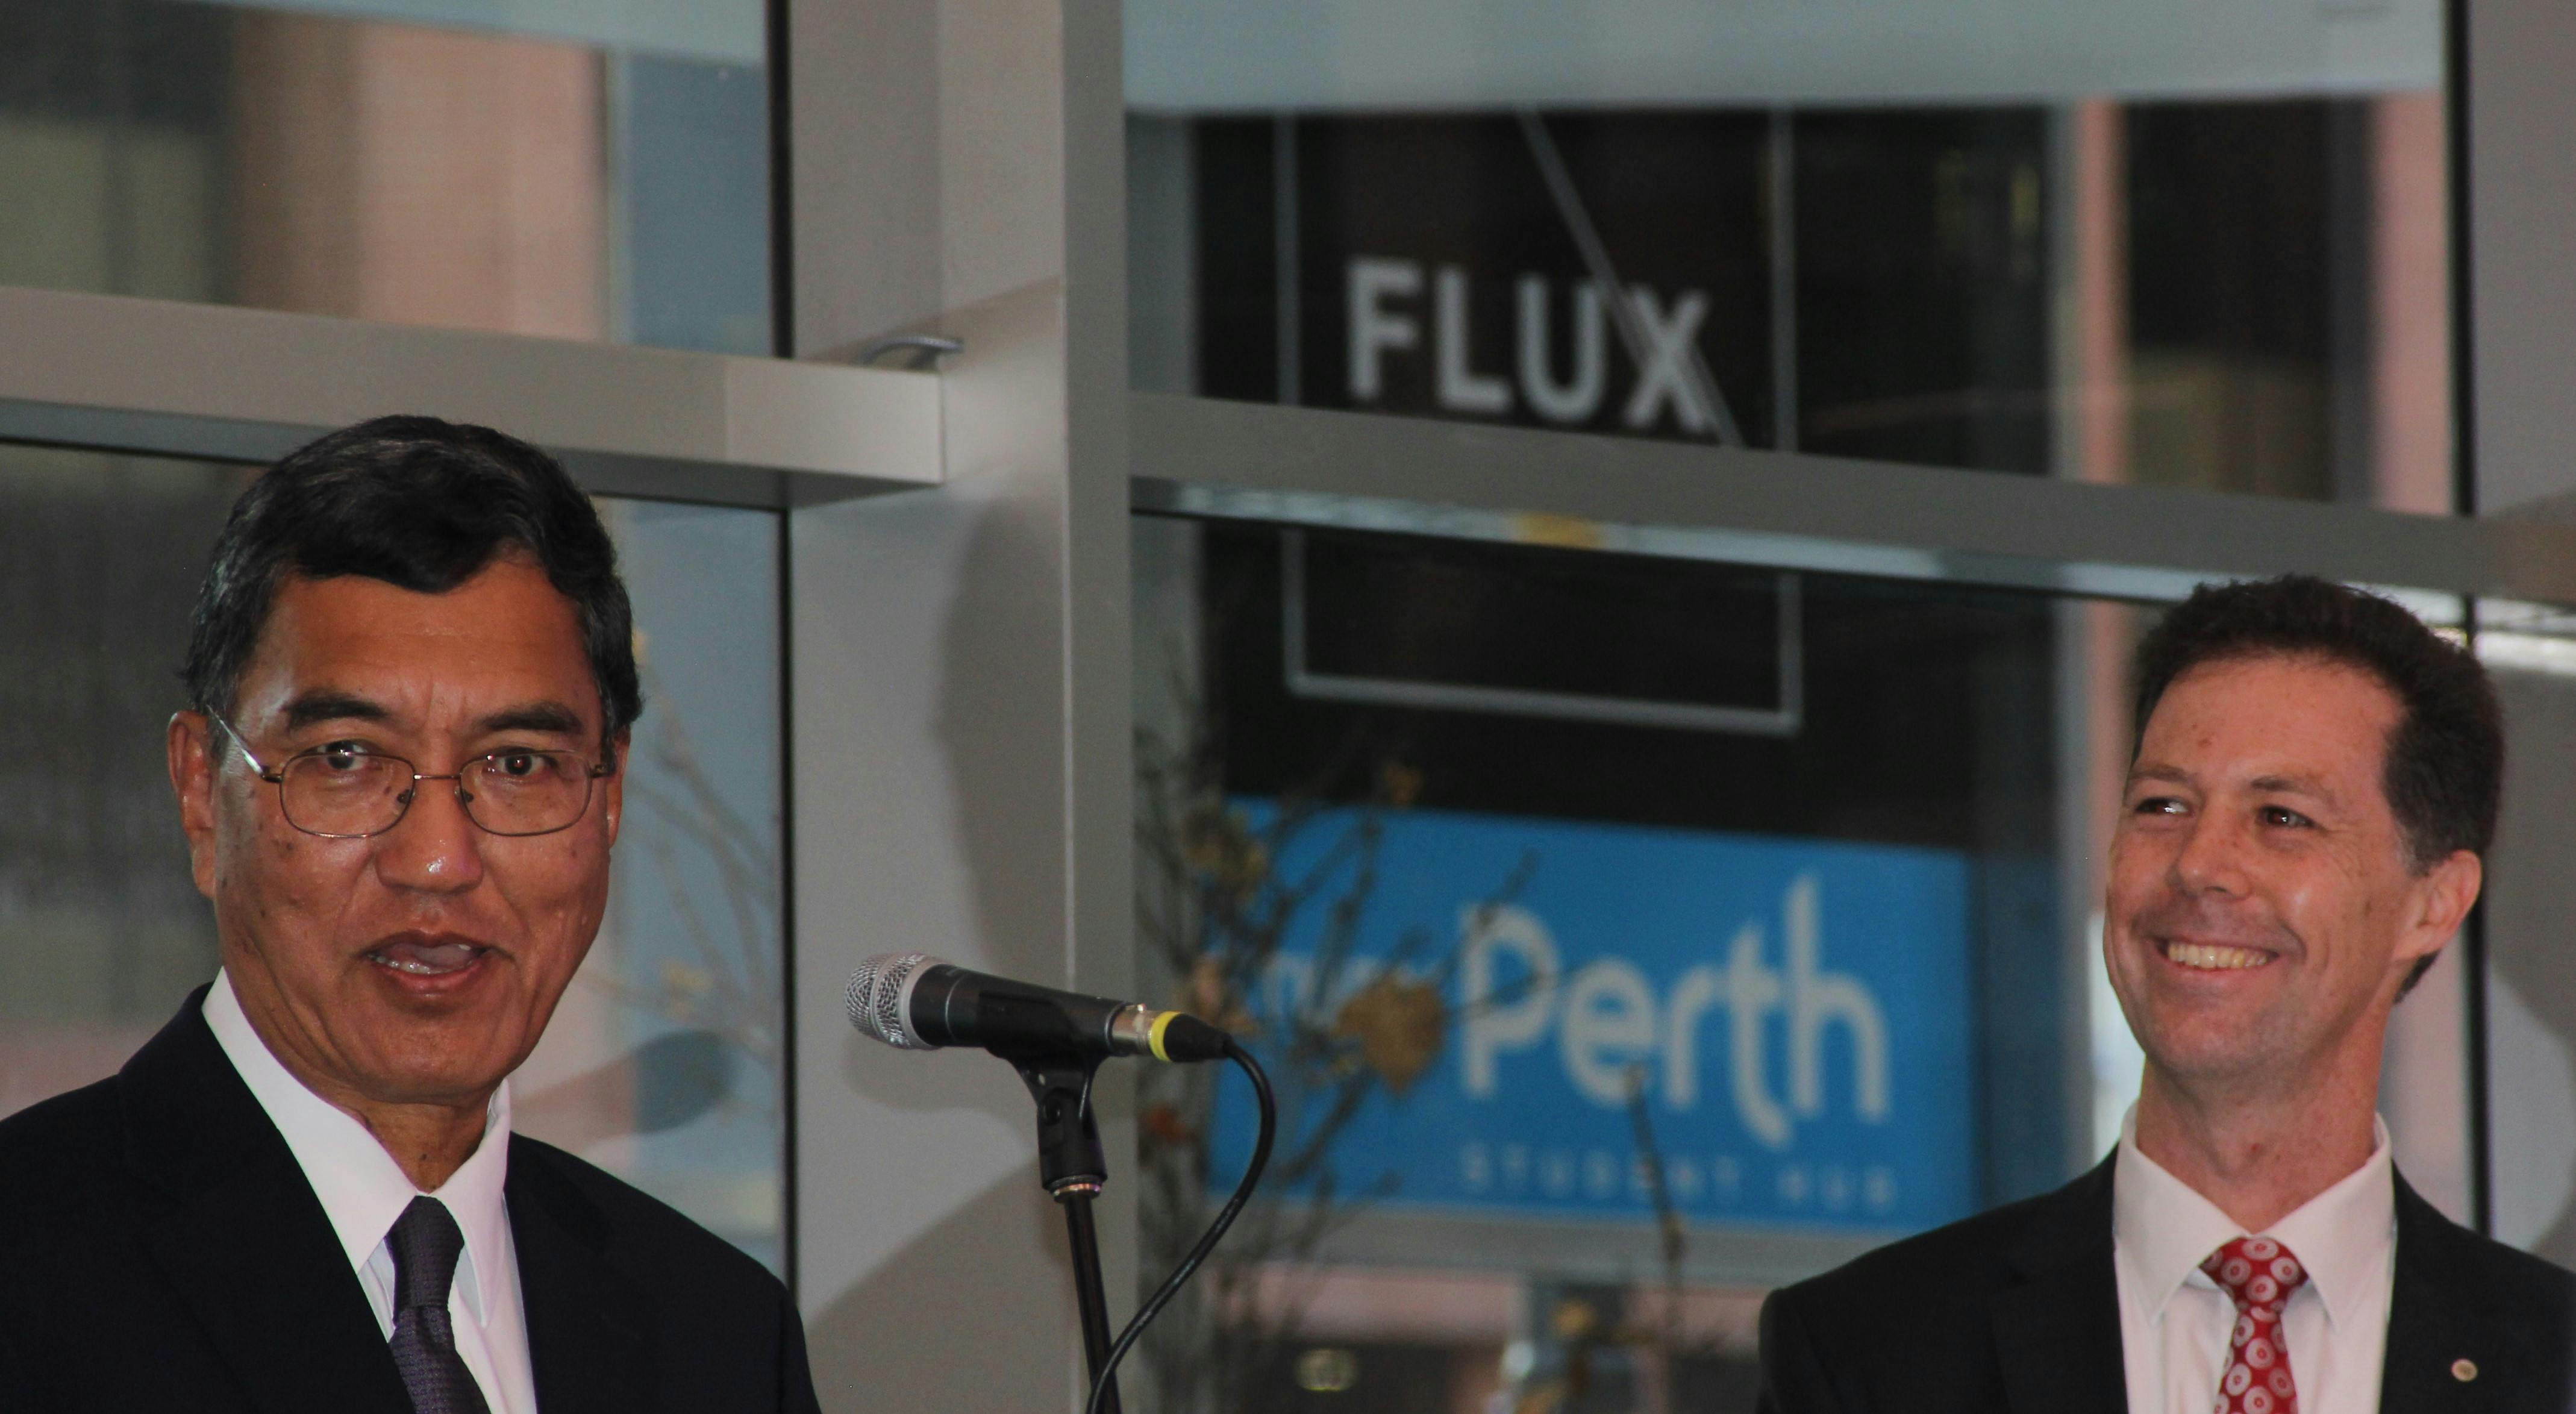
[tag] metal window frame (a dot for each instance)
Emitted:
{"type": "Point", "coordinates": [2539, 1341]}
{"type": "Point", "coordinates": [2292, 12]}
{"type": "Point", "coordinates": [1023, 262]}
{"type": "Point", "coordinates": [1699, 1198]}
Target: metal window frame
{"type": "Point", "coordinates": [116, 373]}
{"type": "Point", "coordinates": [1203, 457]}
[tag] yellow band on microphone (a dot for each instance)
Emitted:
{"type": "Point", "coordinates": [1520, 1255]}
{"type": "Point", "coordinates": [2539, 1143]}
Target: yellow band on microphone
{"type": "Point", "coordinates": [1154, 1036]}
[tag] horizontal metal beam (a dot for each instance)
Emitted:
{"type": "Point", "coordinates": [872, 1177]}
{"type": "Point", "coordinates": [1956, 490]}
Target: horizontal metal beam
{"type": "Point", "coordinates": [240, 384]}
{"type": "Point", "coordinates": [1604, 1250]}
{"type": "Point", "coordinates": [1202, 456]}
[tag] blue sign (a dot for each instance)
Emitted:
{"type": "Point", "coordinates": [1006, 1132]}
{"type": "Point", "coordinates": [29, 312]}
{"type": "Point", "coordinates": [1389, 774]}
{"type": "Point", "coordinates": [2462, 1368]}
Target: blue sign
{"type": "Point", "coordinates": [1797, 1013]}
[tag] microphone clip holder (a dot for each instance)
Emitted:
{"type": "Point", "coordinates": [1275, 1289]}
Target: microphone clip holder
{"type": "Point", "coordinates": [1068, 1139]}
{"type": "Point", "coordinates": [1073, 1168]}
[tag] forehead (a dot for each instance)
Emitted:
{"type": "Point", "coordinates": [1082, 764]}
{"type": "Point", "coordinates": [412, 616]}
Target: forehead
{"type": "Point", "coordinates": [505, 631]}
{"type": "Point", "coordinates": [2273, 715]}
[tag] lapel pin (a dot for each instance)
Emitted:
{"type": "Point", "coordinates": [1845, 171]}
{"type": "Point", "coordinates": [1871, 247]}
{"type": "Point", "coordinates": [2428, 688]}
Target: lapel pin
{"type": "Point", "coordinates": [2464, 1370]}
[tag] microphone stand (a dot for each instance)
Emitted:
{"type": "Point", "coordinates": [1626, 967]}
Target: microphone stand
{"type": "Point", "coordinates": [1073, 1168]}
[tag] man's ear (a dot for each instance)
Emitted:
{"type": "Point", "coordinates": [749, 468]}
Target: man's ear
{"type": "Point", "coordinates": [192, 780]}
{"type": "Point", "coordinates": [2444, 895]}
{"type": "Point", "coordinates": [612, 787]}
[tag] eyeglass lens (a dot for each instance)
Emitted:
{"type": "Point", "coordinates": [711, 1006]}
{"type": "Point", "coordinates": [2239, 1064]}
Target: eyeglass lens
{"type": "Point", "coordinates": [362, 793]}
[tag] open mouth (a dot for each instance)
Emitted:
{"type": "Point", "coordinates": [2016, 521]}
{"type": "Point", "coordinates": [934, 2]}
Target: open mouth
{"type": "Point", "coordinates": [418, 955]}
{"type": "Point", "coordinates": [2212, 957]}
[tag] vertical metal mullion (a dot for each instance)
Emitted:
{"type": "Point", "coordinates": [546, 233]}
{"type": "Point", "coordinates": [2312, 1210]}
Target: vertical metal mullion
{"type": "Point", "coordinates": [782, 195]}
{"type": "Point", "coordinates": [779, 55]}
{"type": "Point", "coordinates": [787, 1213]}
{"type": "Point", "coordinates": [1783, 196]}
{"type": "Point", "coordinates": [2464, 501]}
{"type": "Point", "coordinates": [1285, 258]}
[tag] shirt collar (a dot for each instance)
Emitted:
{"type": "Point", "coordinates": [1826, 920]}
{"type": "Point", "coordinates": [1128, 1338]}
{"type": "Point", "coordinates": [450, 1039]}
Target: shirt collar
{"type": "Point", "coordinates": [361, 1187]}
{"type": "Point", "coordinates": [2166, 1228]}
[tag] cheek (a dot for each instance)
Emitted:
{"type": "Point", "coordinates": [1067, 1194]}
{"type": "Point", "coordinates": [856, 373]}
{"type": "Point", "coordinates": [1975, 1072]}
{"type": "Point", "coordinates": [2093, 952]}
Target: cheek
{"type": "Point", "coordinates": [563, 892]}
{"type": "Point", "coordinates": [2336, 916]}
{"type": "Point", "coordinates": [274, 872]}
{"type": "Point", "coordinates": [289, 905]}
{"type": "Point", "coordinates": [2132, 875]}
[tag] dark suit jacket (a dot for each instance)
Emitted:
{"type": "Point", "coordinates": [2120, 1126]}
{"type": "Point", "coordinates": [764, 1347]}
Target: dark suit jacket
{"type": "Point", "coordinates": [160, 1250]}
{"type": "Point", "coordinates": [2018, 1309]}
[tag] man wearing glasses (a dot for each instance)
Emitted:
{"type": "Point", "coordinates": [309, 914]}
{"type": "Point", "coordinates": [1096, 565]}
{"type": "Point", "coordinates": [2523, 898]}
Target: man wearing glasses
{"type": "Point", "coordinates": [411, 680]}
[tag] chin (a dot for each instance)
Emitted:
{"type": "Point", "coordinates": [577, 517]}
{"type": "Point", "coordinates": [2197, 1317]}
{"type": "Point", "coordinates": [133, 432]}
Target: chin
{"type": "Point", "coordinates": [443, 1076]}
{"type": "Point", "coordinates": [2209, 1053]}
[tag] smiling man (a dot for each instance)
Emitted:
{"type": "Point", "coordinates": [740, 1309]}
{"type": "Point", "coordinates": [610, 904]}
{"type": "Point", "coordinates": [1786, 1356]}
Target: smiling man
{"type": "Point", "coordinates": [412, 679]}
{"type": "Point", "coordinates": [2313, 790]}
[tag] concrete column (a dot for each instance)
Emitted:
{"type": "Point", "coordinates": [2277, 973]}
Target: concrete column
{"type": "Point", "coordinates": [2519, 241]}
{"type": "Point", "coordinates": [961, 708]}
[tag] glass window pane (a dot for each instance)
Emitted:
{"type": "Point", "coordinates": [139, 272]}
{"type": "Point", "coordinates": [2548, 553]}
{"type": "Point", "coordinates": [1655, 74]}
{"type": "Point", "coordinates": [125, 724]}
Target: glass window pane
{"type": "Point", "coordinates": [2530, 993]}
{"type": "Point", "coordinates": [2095, 241]}
{"type": "Point", "coordinates": [584, 171]}
{"type": "Point", "coordinates": [102, 931]}
{"type": "Point", "coordinates": [1624, 937]}
{"type": "Point", "coordinates": [663, 1064]}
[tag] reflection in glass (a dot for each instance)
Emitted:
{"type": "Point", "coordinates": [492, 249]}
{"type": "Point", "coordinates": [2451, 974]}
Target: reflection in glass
{"type": "Point", "coordinates": [2530, 993]}
{"type": "Point", "coordinates": [101, 931]}
{"type": "Point", "coordinates": [663, 1063]}
{"type": "Point", "coordinates": [605, 178]}
{"type": "Point", "coordinates": [1547, 966]}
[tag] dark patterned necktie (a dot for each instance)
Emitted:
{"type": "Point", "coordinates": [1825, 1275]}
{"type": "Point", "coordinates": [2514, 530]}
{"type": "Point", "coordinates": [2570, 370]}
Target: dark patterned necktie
{"type": "Point", "coordinates": [426, 1244]}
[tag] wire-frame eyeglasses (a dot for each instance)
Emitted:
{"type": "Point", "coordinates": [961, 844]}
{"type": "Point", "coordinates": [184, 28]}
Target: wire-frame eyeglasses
{"type": "Point", "coordinates": [345, 791]}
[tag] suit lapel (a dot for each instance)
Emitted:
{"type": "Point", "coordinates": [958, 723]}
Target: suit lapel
{"type": "Point", "coordinates": [227, 1216]}
{"type": "Point", "coordinates": [2439, 1314]}
{"type": "Point", "coordinates": [2057, 1330]}
{"type": "Point", "coordinates": [589, 1322]}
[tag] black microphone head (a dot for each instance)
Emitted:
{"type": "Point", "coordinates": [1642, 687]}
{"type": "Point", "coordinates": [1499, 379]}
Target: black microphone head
{"type": "Point", "coordinates": [880, 994]}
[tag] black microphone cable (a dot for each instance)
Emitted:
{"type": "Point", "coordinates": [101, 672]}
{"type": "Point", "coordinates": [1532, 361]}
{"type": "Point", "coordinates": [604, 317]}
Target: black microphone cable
{"type": "Point", "coordinates": [1225, 1217]}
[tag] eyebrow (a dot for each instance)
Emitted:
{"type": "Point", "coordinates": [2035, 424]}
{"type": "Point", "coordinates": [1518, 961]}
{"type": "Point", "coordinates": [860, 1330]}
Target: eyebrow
{"type": "Point", "coordinates": [2293, 785]}
{"type": "Point", "coordinates": [331, 705]}
{"type": "Point", "coordinates": [2276, 783]}
{"type": "Point", "coordinates": [334, 705]}
{"type": "Point", "coordinates": [552, 717]}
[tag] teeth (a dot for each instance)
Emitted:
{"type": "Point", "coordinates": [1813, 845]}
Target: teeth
{"type": "Point", "coordinates": [450, 958]}
{"type": "Point", "coordinates": [2214, 958]}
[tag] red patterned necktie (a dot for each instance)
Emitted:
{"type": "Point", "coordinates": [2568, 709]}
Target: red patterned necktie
{"type": "Point", "coordinates": [2259, 1274]}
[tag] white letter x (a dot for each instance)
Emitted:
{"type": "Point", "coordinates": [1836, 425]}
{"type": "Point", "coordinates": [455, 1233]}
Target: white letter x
{"type": "Point", "coordinates": [1663, 370]}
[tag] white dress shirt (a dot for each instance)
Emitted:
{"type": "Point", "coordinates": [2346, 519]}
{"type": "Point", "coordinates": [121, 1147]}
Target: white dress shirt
{"type": "Point", "coordinates": [363, 1191]}
{"type": "Point", "coordinates": [2174, 1321]}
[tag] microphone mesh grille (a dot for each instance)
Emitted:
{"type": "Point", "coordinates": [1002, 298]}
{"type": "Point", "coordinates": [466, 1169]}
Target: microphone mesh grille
{"type": "Point", "coordinates": [875, 998]}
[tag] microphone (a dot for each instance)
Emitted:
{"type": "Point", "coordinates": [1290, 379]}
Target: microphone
{"type": "Point", "coordinates": [914, 1002]}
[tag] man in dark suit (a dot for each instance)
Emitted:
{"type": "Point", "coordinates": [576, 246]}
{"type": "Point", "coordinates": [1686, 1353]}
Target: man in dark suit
{"type": "Point", "coordinates": [411, 679]}
{"type": "Point", "coordinates": [2313, 789]}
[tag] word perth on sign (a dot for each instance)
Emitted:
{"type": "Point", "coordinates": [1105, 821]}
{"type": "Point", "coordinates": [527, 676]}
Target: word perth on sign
{"type": "Point", "coordinates": [1386, 322]}
{"type": "Point", "coordinates": [1796, 1011]}
{"type": "Point", "coordinates": [1608, 1019]}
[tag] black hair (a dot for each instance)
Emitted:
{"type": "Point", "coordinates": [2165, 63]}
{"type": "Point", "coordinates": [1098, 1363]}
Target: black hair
{"type": "Point", "coordinates": [2443, 772]}
{"type": "Point", "coordinates": [424, 505]}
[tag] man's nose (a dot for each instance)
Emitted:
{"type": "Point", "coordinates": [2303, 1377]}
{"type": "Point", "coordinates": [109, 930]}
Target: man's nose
{"type": "Point", "coordinates": [434, 848]}
{"type": "Point", "coordinates": [2211, 858]}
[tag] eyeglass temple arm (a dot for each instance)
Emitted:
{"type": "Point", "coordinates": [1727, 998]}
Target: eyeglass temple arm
{"type": "Point", "coordinates": [241, 746]}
